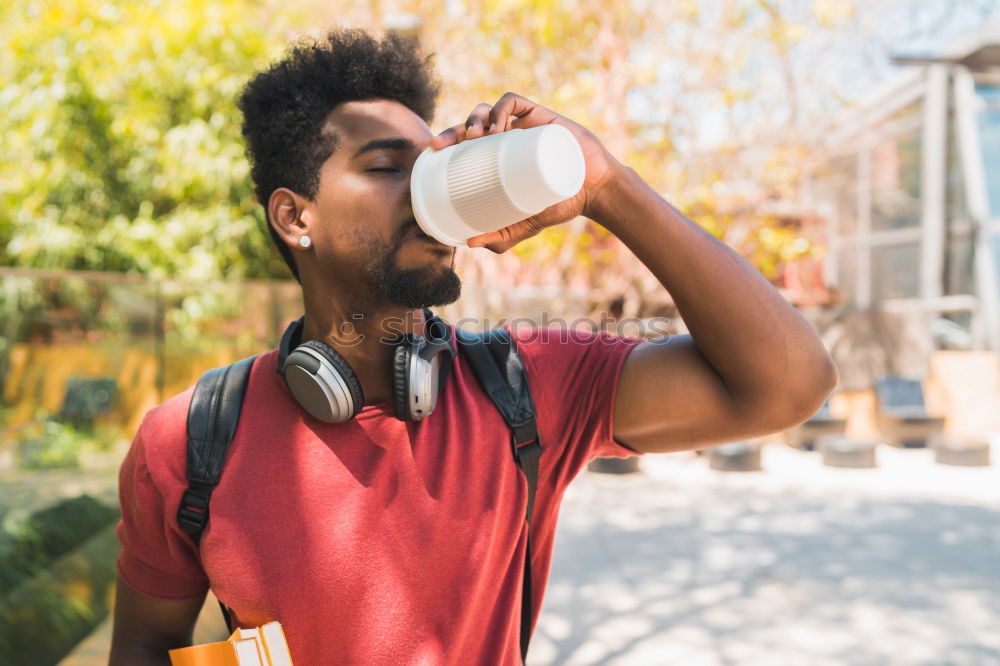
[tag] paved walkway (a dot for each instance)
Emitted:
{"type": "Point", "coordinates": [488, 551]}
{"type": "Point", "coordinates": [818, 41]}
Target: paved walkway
{"type": "Point", "coordinates": [25, 492]}
{"type": "Point", "coordinates": [800, 564]}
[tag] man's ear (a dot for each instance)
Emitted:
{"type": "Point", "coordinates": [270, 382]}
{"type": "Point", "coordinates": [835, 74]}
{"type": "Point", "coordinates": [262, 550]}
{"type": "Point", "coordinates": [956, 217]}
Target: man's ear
{"type": "Point", "coordinates": [285, 210]}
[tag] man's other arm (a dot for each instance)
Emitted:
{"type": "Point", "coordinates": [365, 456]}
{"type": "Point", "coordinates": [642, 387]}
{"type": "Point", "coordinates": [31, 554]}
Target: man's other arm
{"type": "Point", "coordinates": [751, 364]}
{"type": "Point", "coordinates": [145, 629]}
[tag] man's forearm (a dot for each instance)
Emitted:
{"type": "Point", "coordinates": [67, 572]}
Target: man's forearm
{"type": "Point", "coordinates": [135, 656]}
{"type": "Point", "coordinates": [758, 343]}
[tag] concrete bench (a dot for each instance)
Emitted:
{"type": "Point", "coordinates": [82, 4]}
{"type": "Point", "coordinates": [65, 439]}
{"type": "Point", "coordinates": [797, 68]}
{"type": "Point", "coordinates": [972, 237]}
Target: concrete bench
{"type": "Point", "coordinates": [614, 465]}
{"type": "Point", "coordinates": [963, 451]}
{"type": "Point", "coordinates": [735, 457]}
{"type": "Point", "coordinates": [840, 451]}
{"type": "Point", "coordinates": [821, 423]}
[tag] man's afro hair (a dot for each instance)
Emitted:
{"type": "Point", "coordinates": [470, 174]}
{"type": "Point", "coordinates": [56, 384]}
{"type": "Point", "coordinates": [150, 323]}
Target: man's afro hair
{"type": "Point", "coordinates": [285, 107]}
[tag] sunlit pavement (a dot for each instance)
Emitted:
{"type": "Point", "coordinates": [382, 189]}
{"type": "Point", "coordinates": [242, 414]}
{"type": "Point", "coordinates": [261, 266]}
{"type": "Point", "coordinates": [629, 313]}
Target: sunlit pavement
{"type": "Point", "coordinates": [800, 564]}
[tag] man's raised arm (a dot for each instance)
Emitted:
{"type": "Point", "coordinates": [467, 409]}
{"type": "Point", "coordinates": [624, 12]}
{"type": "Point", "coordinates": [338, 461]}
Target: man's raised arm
{"type": "Point", "coordinates": [751, 364]}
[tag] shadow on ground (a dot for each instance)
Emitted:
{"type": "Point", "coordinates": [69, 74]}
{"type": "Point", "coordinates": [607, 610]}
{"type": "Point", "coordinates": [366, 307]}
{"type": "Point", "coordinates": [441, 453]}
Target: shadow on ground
{"type": "Point", "coordinates": [647, 574]}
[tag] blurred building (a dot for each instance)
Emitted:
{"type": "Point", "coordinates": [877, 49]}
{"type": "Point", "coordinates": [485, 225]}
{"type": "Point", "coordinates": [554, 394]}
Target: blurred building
{"type": "Point", "coordinates": [910, 194]}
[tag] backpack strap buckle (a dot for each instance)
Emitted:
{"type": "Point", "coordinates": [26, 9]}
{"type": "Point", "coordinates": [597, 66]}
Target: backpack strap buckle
{"type": "Point", "coordinates": [193, 512]}
{"type": "Point", "coordinates": [521, 436]}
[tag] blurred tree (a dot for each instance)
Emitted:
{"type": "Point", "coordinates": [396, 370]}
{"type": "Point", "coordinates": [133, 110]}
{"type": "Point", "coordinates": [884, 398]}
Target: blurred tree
{"type": "Point", "coordinates": [121, 138]}
{"type": "Point", "coordinates": [127, 156]}
{"type": "Point", "coordinates": [644, 76]}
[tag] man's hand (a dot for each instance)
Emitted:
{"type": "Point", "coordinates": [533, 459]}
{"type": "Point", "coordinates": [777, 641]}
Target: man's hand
{"type": "Point", "coordinates": [515, 112]}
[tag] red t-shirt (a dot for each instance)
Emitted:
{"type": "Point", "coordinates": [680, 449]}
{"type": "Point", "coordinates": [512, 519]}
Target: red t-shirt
{"type": "Point", "coordinates": [374, 541]}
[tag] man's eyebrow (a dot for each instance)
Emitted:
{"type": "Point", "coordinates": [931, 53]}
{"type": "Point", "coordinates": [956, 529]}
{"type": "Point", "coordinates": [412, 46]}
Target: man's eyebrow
{"type": "Point", "coordinates": [394, 143]}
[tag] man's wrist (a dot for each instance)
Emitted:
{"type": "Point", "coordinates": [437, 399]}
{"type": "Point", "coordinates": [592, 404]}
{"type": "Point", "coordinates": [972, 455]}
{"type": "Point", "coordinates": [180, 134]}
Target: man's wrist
{"type": "Point", "coordinates": [609, 202]}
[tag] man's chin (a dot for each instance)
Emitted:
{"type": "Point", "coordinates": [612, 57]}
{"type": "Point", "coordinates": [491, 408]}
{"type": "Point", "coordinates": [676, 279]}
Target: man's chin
{"type": "Point", "coordinates": [422, 288]}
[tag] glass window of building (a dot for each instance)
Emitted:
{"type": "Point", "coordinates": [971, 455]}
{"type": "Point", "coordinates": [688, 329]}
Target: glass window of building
{"type": "Point", "coordinates": [955, 198]}
{"type": "Point", "coordinates": [847, 274]}
{"type": "Point", "coordinates": [844, 179]}
{"type": "Point", "coordinates": [895, 181]}
{"type": "Point", "coordinates": [995, 244]}
{"type": "Point", "coordinates": [959, 276]}
{"type": "Point", "coordinates": [896, 271]}
{"type": "Point", "coordinates": [835, 185]}
{"type": "Point", "coordinates": [989, 136]}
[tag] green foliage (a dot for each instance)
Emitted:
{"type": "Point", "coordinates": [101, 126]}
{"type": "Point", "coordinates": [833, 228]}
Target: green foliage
{"type": "Point", "coordinates": [28, 548]}
{"type": "Point", "coordinates": [123, 140]}
{"type": "Point", "coordinates": [20, 301]}
{"type": "Point", "coordinates": [43, 619]}
{"type": "Point", "coordinates": [122, 136]}
{"type": "Point", "coordinates": [58, 446]}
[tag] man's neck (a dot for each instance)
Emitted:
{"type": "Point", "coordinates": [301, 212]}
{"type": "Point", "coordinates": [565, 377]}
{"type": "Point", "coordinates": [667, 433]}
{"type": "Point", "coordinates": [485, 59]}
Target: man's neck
{"type": "Point", "coordinates": [365, 334]}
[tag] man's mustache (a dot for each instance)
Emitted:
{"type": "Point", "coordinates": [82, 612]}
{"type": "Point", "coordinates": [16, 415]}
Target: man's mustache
{"type": "Point", "coordinates": [409, 229]}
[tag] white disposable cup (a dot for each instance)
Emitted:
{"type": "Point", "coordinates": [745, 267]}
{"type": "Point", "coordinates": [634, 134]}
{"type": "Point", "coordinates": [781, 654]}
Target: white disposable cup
{"type": "Point", "coordinates": [489, 183]}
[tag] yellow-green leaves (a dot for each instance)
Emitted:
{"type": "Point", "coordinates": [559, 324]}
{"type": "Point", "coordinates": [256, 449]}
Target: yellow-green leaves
{"type": "Point", "coordinates": [121, 140]}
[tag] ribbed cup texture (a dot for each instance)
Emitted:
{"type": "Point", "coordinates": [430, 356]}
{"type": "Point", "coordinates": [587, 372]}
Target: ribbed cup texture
{"type": "Point", "coordinates": [475, 189]}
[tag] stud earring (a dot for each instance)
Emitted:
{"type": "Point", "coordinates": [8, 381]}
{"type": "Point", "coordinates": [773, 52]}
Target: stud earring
{"type": "Point", "coordinates": [305, 241]}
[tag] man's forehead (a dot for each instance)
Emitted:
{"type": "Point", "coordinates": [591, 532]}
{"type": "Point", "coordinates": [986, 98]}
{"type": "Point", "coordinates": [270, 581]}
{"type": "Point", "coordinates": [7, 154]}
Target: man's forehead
{"type": "Point", "coordinates": [358, 122]}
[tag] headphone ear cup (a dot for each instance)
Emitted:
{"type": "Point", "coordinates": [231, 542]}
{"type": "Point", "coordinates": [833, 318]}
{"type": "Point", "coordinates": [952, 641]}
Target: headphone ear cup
{"type": "Point", "coordinates": [338, 366]}
{"type": "Point", "coordinates": [400, 381]}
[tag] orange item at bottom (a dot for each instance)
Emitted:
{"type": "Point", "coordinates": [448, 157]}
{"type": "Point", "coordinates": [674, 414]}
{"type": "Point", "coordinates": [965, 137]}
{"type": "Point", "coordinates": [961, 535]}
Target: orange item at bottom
{"type": "Point", "coordinates": [224, 653]}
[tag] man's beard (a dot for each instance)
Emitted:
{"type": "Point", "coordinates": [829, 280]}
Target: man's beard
{"type": "Point", "coordinates": [422, 287]}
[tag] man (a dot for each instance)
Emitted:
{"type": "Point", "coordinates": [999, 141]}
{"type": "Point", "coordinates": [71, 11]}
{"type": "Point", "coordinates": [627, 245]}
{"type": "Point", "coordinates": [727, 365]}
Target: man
{"type": "Point", "coordinates": [378, 541]}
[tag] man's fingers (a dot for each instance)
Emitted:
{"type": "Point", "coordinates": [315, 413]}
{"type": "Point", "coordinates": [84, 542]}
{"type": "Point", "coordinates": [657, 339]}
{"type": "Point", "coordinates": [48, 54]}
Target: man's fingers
{"type": "Point", "coordinates": [510, 111]}
{"type": "Point", "coordinates": [476, 125]}
{"type": "Point", "coordinates": [450, 136]}
{"type": "Point", "coordinates": [498, 237]}
{"type": "Point", "coordinates": [511, 107]}
{"type": "Point", "coordinates": [482, 240]}
{"type": "Point", "coordinates": [501, 240]}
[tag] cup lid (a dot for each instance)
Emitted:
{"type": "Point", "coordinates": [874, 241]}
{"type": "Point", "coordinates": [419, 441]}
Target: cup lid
{"type": "Point", "coordinates": [420, 208]}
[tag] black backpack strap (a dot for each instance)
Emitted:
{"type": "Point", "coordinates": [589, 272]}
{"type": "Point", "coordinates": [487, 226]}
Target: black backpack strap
{"type": "Point", "coordinates": [500, 371]}
{"type": "Point", "coordinates": [213, 415]}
